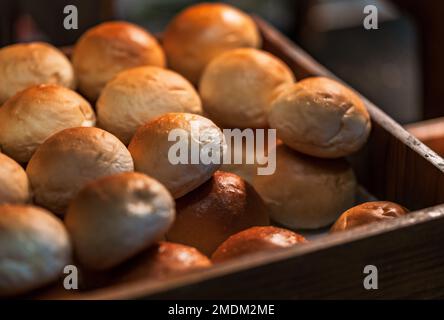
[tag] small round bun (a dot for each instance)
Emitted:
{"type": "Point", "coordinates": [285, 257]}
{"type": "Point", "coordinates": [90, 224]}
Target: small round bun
{"type": "Point", "coordinates": [26, 64]}
{"type": "Point", "coordinates": [155, 150]}
{"type": "Point", "coordinates": [71, 158]}
{"type": "Point", "coordinates": [116, 217]}
{"type": "Point", "coordinates": [306, 192]}
{"type": "Point", "coordinates": [14, 183]}
{"type": "Point", "coordinates": [34, 114]}
{"type": "Point", "coordinates": [367, 213]}
{"type": "Point", "coordinates": [320, 117]}
{"type": "Point", "coordinates": [138, 95]}
{"type": "Point", "coordinates": [34, 248]}
{"type": "Point", "coordinates": [238, 86]}
{"type": "Point", "coordinates": [222, 206]}
{"type": "Point", "coordinates": [255, 239]}
{"type": "Point", "coordinates": [110, 47]}
{"type": "Point", "coordinates": [203, 31]}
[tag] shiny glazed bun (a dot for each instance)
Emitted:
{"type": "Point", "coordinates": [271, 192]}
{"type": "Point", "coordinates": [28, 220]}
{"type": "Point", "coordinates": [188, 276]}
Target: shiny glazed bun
{"type": "Point", "coordinates": [34, 114]}
{"type": "Point", "coordinates": [320, 117]}
{"type": "Point", "coordinates": [156, 156]}
{"type": "Point", "coordinates": [367, 213]}
{"type": "Point", "coordinates": [256, 239]}
{"type": "Point", "coordinates": [222, 206]}
{"type": "Point", "coordinates": [115, 217]}
{"type": "Point", "coordinates": [306, 192]}
{"type": "Point", "coordinates": [138, 95]}
{"type": "Point", "coordinates": [26, 64]}
{"type": "Point", "coordinates": [109, 48]}
{"type": "Point", "coordinates": [14, 183]}
{"type": "Point", "coordinates": [201, 32]}
{"type": "Point", "coordinates": [34, 248]}
{"type": "Point", "coordinates": [69, 159]}
{"type": "Point", "coordinates": [238, 86]}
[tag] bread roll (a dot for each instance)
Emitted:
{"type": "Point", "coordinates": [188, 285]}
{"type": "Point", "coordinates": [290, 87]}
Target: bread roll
{"type": "Point", "coordinates": [34, 114]}
{"type": "Point", "coordinates": [154, 153]}
{"type": "Point", "coordinates": [222, 206]}
{"type": "Point", "coordinates": [255, 239]}
{"type": "Point", "coordinates": [320, 117]}
{"type": "Point", "coordinates": [34, 248]}
{"type": "Point", "coordinates": [238, 86]}
{"type": "Point", "coordinates": [14, 183]}
{"type": "Point", "coordinates": [138, 95]}
{"type": "Point", "coordinates": [115, 217]}
{"type": "Point", "coordinates": [69, 159]}
{"type": "Point", "coordinates": [109, 48]}
{"type": "Point", "coordinates": [306, 192]}
{"type": "Point", "coordinates": [367, 213]}
{"type": "Point", "coordinates": [201, 32]}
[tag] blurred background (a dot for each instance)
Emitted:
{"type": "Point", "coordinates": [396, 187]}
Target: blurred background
{"type": "Point", "coordinates": [397, 66]}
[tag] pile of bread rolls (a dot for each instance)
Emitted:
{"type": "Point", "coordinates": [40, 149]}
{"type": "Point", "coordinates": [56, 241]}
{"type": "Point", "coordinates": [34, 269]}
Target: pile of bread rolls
{"type": "Point", "coordinates": [85, 178]}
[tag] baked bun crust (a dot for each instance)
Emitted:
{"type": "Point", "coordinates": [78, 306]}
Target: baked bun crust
{"type": "Point", "coordinates": [34, 114]}
{"type": "Point", "coordinates": [238, 86]}
{"type": "Point", "coordinates": [367, 213]}
{"type": "Point", "coordinates": [71, 158]}
{"type": "Point", "coordinates": [320, 117]}
{"type": "Point", "coordinates": [222, 206]}
{"type": "Point", "coordinates": [108, 48]}
{"type": "Point", "coordinates": [138, 95]}
{"type": "Point", "coordinates": [256, 239]}
{"type": "Point", "coordinates": [203, 31]}
{"type": "Point", "coordinates": [14, 183]}
{"type": "Point", "coordinates": [34, 248]}
{"type": "Point", "coordinates": [26, 64]}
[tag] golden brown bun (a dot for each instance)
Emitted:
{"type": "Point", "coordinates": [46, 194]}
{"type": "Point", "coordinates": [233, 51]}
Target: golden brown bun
{"type": "Point", "coordinates": [26, 64]}
{"type": "Point", "coordinates": [138, 95]}
{"type": "Point", "coordinates": [368, 212]}
{"type": "Point", "coordinates": [320, 117]}
{"type": "Point", "coordinates": [34, 114]}
{"type": "Point", "coordinates": [115, 217]}
{"type": "Point", "coordinates": [150, 149]}
{"type": "Point", "coordinates": [306, 192]}
{"type": "Point", "coordinates": [34, 248]}
{"type": "Point", "coordinates": [71, 158]}
{"type": "Point", "coordinates": [255, 239]}
{"type": "Point", "coordinates": [238, 86]}
{"type": "Point", "coordinates": [14, 183]}
{"type": "Point", "coordinates": [109, 48]}
{"type": "Point", "coordinates": [201, 32]}
{"type": "Point", "coordinates": [224, 205]}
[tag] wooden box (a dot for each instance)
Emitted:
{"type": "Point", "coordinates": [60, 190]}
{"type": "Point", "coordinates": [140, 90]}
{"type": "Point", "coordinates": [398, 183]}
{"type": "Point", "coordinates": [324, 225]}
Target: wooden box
{"type": "Point", "coordinates": [408, 252]}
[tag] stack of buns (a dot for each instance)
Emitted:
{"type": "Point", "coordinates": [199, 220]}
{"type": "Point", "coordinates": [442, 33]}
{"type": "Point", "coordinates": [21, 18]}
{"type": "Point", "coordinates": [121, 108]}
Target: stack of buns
{"type": "Point", "coordinates": [141, 193]}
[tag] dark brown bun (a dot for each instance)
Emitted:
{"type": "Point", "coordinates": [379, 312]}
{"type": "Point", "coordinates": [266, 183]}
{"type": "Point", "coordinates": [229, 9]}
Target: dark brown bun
{"type": "Point", "coordinates": [201, 32]}
{"type": "Point", "coordinates": [222, 206]}
{"type": "Point", "coordinates": [34, 248]}
{"type": "Point", "coordinates": [368, 212]}
{"type": "Point", "coordinates": [256, 239]}
{"type": "Point", "coordinates": [14, 183]}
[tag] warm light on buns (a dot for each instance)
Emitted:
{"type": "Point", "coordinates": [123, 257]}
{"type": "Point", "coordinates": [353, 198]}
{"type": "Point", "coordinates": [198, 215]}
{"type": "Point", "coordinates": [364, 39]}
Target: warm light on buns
{"type": "Point", "coordinates": [115, 217]}
{"type": "Point", "coordinates": [138, 95]}
{"type": "Point", "coordinates": [306, 192]}
{"type": "Point", "coordinates": [256, 239]}
{"type": "Point", "coordinates": [320, 117]}
{"type": "Point", "coordinates": [203, 31]}
{"type": "Point", "coordinates": [367, 213]}
{"type": "Point", "coordinates": [238, 86]}
{"type": "Point", "coordinates": [109, 48]}
{"type": "Point", "coordinates": [71, 158]}
{"type": "Point", "coordinates": [150, 148]}
{"type": "Point", "coordinates": [222, 206]}
{"type": "Point", "coordinates": [26, 64]}
{"type": "Point", "coordinates": [34, 114]}
{"type": "Point", "coordinates": [34, 248]}
{"type": "Point", "coordinates": [14, 183]}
